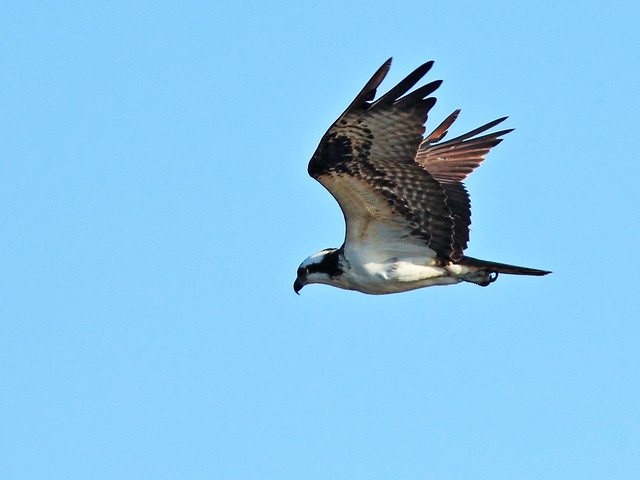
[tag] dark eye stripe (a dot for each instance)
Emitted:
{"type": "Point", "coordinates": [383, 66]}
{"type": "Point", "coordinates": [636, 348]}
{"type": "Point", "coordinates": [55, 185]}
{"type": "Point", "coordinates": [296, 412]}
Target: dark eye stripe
{"type": "Point", "coordinates": [315, 268]}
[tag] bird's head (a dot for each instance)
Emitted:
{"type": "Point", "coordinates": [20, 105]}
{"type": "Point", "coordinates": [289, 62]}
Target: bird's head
{"type": "Point", "coordinates": [322, 267]}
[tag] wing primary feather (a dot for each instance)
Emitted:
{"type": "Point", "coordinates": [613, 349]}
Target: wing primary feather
{"type": "Point", "coordinates": [368, 92]}
{"type": "Point", "coordinates": [428, 103]}
{"type": "Point", "coordinates": [441, 130]}
{"type": "Point", "coordinates": [418, 94]}
{"type": "Point", "coordinates": [490, 140]}
{"type": "Point", "coordinates": [403, 87]}
{"type": "Point", "coordinates": [478, 130]}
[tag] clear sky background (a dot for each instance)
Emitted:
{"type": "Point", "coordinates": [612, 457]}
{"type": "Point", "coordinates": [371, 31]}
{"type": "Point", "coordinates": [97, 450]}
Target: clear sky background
{"type": "Point", "coordinates": [155, 205]}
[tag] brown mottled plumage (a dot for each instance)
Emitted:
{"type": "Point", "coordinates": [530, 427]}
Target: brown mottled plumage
{"type": "Point", "coordinates": [406, 210]}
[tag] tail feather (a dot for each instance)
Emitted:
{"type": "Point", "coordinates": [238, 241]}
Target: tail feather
{"type": "Point", "coordinates": [500, 267]}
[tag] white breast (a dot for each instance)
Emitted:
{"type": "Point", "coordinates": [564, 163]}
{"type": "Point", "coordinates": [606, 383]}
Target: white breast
{"type": "Point", "coordinates": [396, 275]}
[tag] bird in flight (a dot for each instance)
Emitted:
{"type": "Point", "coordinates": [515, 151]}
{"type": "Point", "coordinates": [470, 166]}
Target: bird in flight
{"type": "Point", "coordinates": [406, 210]}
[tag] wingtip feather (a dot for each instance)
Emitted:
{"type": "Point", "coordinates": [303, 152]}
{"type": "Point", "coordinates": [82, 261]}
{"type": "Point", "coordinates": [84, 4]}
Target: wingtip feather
{"type": "Point", "coordinates": [441, 130]}
{"type": "Point", "coordinates": [404, 86]}
{"type": "Point", "coordinates": [368, 92]}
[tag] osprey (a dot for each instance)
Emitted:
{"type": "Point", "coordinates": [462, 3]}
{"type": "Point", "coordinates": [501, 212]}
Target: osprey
{"type": "Point", "coordinates": [406, 210]}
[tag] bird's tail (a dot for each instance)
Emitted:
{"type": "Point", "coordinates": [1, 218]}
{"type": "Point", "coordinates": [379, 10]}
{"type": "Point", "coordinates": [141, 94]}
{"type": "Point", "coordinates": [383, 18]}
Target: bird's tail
{"type": "Point", "coordinates": [494, 267]}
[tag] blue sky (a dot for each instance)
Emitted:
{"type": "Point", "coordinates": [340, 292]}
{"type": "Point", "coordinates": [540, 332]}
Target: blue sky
{"type": "Point", "coordinates": [155, 207]}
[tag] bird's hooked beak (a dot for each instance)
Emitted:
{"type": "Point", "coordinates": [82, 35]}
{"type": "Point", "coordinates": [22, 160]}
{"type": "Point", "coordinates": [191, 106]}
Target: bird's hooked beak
{"type": "Point", "coordinates": [301, 279]}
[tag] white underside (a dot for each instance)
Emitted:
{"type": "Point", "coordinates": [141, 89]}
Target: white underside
{"type": "Point", "coordinates": [397, 275]}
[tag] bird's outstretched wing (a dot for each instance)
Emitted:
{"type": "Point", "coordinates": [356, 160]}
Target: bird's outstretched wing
{"type": "Point", "coordinates": [367, 162]}
{"type": "Point", "coordinates": [391, 184]}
